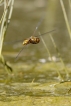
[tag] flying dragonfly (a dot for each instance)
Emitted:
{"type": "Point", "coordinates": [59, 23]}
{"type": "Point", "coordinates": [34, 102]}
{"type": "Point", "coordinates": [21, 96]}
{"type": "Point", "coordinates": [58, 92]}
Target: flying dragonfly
{"type": "Point", "coordinates": [34, 39]}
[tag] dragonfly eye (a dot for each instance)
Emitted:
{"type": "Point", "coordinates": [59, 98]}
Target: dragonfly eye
{"type": "Point", "coordinates": [37, 40]}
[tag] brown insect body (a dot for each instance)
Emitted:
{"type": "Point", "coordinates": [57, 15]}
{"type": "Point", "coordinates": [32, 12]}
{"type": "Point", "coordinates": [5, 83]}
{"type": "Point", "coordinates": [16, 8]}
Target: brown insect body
{"type": "Point", "coordinates": [26, 41]}
{"type": "Point", "coordinates": [32, 40]}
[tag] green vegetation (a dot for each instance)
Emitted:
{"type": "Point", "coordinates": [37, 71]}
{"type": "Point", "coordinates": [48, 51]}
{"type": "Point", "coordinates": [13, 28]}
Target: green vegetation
{"type": "Point", "coordinates": [35, 80]}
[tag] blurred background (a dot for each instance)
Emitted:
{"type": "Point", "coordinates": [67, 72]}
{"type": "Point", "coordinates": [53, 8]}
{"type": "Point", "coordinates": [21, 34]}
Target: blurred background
{"type": "Point", "coordinates": [34, 64]}
{"type": "Point", "coordinates": [25, 17]}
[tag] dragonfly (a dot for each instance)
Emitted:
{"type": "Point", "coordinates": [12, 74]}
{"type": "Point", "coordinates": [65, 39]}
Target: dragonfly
{"type": "Point", "coordinates": [34, 39]}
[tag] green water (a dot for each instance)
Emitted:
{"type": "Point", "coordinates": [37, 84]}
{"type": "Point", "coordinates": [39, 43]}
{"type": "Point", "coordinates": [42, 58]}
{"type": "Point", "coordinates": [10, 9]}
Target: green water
{"type": "Point", "coordinates": [34, 76]}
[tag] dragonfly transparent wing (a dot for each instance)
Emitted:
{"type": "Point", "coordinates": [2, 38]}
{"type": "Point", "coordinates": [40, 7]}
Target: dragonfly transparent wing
{"type": "Point", "coordinates": [20, 50]}
{"type": "Point", "coordinates": [12, 42]}
{"type": "Point", "coordinates": [47, 32]}
{"type": "Point", "coordinates": [38, 24]}
{"type": "Point", "coordinates": [19, 53]}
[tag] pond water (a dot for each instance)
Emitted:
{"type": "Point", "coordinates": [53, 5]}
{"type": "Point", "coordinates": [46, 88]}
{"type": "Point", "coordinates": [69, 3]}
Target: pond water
{"type": "Point", "coordinates": [34, 73]}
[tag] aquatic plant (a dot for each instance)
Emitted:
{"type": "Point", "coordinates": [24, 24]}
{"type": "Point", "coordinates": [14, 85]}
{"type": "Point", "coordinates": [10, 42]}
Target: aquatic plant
{"type": "Point", "coordinates": [4, 22]}
{"type": "Point", "coordinates": [65, 17]}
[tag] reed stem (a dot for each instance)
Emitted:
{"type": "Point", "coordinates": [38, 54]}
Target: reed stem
{"type": "Point", "coordinates": [65, 17]}
{"type": "Point", "coordinates": [57, 50]}
{"type": "Point", "coordinates": [5, 20]}
{"type": "Point", "coordinates": [70, 3]}
{"type": "Point", "coordinates": [59, 75]}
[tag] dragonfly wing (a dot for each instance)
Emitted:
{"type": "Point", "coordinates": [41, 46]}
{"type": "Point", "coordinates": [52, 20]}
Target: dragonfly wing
{"type": "Point", "coordinates": [38, 24]}
{"type": "Point", "coordinates": [13, 42]}
{"type": "Point", "coordinates": [47, 32]}
{"type": "Point", "coordinates": [19, 53]}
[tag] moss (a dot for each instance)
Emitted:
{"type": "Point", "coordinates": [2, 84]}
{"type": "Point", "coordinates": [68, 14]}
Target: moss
{"type": "Point", "coordinates": [37, 101]}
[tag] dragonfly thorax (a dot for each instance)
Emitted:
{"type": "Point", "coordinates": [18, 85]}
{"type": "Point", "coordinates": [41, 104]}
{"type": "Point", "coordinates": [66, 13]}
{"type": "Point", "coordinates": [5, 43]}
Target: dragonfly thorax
{"type": "Point", "coordinates": [34, 40]}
